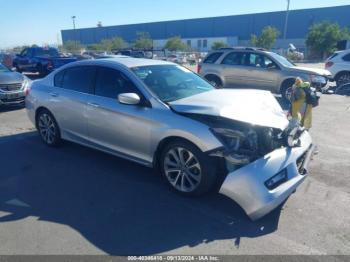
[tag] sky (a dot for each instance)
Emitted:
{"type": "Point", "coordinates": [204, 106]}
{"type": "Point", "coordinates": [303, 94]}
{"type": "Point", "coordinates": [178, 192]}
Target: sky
{"type": "Point", "coordinates": [40, 21]}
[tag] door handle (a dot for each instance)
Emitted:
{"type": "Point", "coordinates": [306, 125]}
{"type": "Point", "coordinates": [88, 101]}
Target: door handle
{"type": "Point", "coordinates": [53, 94]}
{"type": "Point", "coordinates": [93, 104]}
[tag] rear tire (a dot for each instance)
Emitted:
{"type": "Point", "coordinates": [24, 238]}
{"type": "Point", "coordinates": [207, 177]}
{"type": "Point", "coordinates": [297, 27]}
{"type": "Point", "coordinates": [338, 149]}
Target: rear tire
{"type": "Point", "coordinates": [42, 71]}
{"type": "Point", "coordinates": [187, 169]}
{"type": "Point", "coordinates": [215, 81]}
{"type": "Point", "coordinates": [48, 128]}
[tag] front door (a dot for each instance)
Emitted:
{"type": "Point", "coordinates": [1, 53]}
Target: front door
{"type": "Point", "coordinates": [122, 129]}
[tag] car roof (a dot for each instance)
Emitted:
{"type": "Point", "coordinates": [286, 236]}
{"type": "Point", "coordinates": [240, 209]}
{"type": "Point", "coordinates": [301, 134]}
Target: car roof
{"type": "Point", "coordinates": [124, 60]}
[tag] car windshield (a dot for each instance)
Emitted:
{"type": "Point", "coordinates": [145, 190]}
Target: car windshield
{"type": "Point", "coordinates": [171, 82]}
{"type": "Point", "coordinates": [3, 68]}
{"type": "Point", "coordinates": [282, 60]}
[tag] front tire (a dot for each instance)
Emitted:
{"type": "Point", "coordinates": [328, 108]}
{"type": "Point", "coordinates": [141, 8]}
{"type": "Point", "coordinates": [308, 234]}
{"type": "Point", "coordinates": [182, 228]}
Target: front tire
{"type": "Point", "coordinates": [187, 169]}
{"type": "Point", "coordinates": [48, 128]}
{"type": "Point", "coordinates": [343, 78]}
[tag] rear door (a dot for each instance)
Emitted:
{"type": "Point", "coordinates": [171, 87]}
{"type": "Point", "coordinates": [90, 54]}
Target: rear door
{"type": "Point", "coordinates": [261, 72]}
{"type": "Point", "coordinates": [234, 71]}
{"type": "Point", "coordinates": [69, 100]}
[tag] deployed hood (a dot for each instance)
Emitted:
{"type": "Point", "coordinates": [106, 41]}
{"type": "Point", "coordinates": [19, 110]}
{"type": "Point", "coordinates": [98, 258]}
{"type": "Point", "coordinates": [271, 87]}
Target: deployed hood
{"type": "Point", "coordinates": [11, 77]}
{"type": "Point", "coordinates": [250, 106]}
{"type": "Point", "coordinates": [316, 71]}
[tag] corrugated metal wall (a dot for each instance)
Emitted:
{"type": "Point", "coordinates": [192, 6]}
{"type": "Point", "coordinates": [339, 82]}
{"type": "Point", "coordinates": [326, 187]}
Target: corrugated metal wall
{"type": "Point", "coordinates": [241, 26]}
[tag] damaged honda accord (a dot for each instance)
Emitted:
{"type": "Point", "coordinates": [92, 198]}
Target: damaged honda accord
{"type": "Point", "coordinates": [162, 115]}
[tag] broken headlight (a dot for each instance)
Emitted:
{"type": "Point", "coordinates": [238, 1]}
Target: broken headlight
{"type": "Point", "coordinates": [240, 146]}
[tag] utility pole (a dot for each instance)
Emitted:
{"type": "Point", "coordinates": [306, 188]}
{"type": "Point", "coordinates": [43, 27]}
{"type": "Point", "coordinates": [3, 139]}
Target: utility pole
{"type": "Point", "coordinates": [75, 33]}
{"type": "Point", "coordinates": [286, 21]}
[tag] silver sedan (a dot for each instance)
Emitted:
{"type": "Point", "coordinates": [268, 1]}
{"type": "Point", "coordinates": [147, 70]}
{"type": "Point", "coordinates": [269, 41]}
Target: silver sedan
{"type": "Point", "coordinates": [162, 115]}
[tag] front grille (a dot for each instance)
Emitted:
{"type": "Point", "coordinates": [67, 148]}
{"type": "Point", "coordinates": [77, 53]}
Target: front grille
{"type": "Point", "coordinates": [10, 87]}
{"type": "Point", "coordinates": [13, 100]}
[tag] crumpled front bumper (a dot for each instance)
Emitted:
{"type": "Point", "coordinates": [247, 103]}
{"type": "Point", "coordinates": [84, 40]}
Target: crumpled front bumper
{"type": "Point", "coordinates": [246, 186]}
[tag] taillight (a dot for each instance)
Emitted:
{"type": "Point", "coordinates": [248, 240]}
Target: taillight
{"type": "Point", "coordinates": [329, 64]}
{"type": "Point", "coordinates": [27, 91]}
{"type": "Point", "coordinates": [199, 68]}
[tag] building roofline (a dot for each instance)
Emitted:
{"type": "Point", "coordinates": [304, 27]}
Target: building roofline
{"type": "Point", "coordinates": [203, 18]}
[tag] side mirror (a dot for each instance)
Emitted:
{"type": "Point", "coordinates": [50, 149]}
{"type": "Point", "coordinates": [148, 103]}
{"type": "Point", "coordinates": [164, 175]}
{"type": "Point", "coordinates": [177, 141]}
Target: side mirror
{"type": "Point", "coordinates": [129, 98]}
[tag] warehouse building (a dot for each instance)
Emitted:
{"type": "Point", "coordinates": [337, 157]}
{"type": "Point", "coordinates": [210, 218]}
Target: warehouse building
{"type": "Point", "coordinates": [234, 30]}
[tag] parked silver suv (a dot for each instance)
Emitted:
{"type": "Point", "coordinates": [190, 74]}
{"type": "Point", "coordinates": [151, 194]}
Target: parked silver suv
{"type": "Point", "coordinates": [258, 69]}
{"type": "Point", "coordinates": [162, 115]}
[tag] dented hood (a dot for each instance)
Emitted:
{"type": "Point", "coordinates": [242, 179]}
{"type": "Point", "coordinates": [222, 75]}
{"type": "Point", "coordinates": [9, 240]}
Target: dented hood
{"type": "Point", "coordinates": [251, 106]}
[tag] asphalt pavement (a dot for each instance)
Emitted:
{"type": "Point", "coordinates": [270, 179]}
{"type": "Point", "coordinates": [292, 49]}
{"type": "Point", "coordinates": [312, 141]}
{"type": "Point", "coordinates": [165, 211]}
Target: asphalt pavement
{"type": "Point", "coordinates": [75, 200]}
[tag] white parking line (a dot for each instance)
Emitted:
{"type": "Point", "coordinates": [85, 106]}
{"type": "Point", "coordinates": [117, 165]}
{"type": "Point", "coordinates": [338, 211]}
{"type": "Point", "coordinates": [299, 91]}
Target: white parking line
{"type": "Point", "coordinates": [17, 202]}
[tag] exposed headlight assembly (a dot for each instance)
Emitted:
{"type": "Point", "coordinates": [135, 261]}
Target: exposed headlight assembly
{"type": "Point", "coordinates": [240, 146]}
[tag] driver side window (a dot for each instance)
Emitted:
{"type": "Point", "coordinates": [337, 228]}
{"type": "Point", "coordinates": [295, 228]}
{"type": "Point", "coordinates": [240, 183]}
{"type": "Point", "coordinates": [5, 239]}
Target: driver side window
{"type": "Point", "coordinates": [110, 83]}
{"type": "Point", "coordinates": [268, 63]}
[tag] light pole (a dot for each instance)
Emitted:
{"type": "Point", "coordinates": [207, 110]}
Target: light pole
{"type": "Point", "coordinates": [73, 18]}
{"type": "Point", "coordinates": [286, 21]}
{"type": "Point", "coordinates": [75, 34]}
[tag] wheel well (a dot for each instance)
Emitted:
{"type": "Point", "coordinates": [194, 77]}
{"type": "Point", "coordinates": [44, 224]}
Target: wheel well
{"type": "Point", "coordinates": [285, 81]}
{"type": "Point", "coordinates": [164, 143]}
{"type": "Point", "coordinates": [211, 76]}
{"type": "Point", "coordinates": [37, 111]}
{"type": "Point", "coordinates": [340, 73]}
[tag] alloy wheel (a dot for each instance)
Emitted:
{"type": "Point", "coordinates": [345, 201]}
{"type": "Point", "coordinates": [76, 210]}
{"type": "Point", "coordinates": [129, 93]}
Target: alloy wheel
{"type": "Point", "coordinates": [47, 128]}
{"type": "Point", "coordinates": [182, 169]}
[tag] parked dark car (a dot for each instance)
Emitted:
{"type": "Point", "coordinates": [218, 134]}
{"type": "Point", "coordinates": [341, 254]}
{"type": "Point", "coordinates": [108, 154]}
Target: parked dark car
{"type": "Point", "coordinates": [41, 60]}
{"type": "Point", "coordinates": [13, 86]}
{"type": "Point", "coordinates": [132, 53]}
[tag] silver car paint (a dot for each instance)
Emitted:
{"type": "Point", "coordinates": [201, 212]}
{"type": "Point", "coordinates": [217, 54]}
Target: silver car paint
{"type": "Point", "coordinates": [239, 76]}
{"type": "Point", "coordinates": [134, 132]}
{"type": "Point", "coordinates": [256, 107]}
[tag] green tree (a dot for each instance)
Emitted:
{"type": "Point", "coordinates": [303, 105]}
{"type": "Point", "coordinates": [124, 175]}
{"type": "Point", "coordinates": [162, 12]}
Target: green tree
{"type": "Point", "coordinates": [267, 38]}
{"type": "Point", "coordinates": [219, 44]}
{"type": "Point", "coordinates": [119, 43]}
{"type": "Point", "coordinates": [95, 47]}
{"type": "Point", "coordinates": [72, 46]}
{"type": "Point", "coordinates": [322, 38]}
{"type": "Point", "coordinates": [106, 45]}
{"type": "Point", "coordinates": [175, 44]}
{"type": "Point", "coordinates": [143, 41]}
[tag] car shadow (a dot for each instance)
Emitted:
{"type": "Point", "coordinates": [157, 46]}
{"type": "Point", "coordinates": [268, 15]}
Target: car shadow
{"type": "Point", "coordinates": [9, 108]}
{"type": "Point", "coordinates": [118, 206]}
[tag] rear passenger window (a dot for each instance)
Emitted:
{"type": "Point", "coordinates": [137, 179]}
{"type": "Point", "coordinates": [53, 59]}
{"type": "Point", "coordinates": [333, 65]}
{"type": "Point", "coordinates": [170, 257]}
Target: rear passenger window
{"type": "Point", "coordinates": [212, 58]}
{"type": "Point", "coordinates": [79, 78]}
{"type": "Point", "coordinates": [233, 59]}
{"type": "Point", "coordinates": [347, 58]}
{"type": "Point", "coordinates": [110, 83]}
{"type": "Point", "coordinates": [58, 80]}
